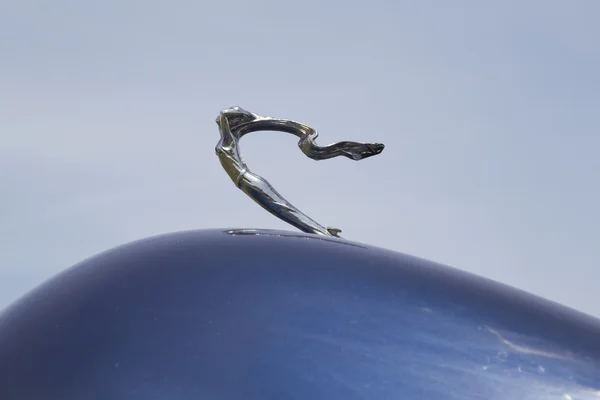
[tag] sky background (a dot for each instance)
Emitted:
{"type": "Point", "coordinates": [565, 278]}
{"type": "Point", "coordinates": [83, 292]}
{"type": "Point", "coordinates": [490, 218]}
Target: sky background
{"type": "Point", "coordinates": [490, 112]}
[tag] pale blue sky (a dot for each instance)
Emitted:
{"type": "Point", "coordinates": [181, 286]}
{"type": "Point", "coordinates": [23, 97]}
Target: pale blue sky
{"type": "Point", "coordinates": [490, 112]}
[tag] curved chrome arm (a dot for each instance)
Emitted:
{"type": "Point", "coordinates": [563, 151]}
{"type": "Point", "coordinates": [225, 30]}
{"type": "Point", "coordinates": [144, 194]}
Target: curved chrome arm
{"type": "Point", "coordinates": [236, 122]}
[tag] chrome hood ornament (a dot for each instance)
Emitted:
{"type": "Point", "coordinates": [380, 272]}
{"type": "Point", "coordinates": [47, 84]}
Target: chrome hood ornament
{"type": "Point", "coordinates": [236, 122]}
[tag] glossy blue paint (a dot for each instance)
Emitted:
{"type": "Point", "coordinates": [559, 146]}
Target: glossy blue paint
{"type": "Point", "coordinates": [277, 315]}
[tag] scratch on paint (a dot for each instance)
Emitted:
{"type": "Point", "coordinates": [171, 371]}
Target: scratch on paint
{"type": "Point", "coordinates": [529, 350]}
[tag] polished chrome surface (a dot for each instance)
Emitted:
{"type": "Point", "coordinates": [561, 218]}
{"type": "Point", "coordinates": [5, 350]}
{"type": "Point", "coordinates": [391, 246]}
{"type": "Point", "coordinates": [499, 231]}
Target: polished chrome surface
{"type": "Point", "coordinates": [236, 122]}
